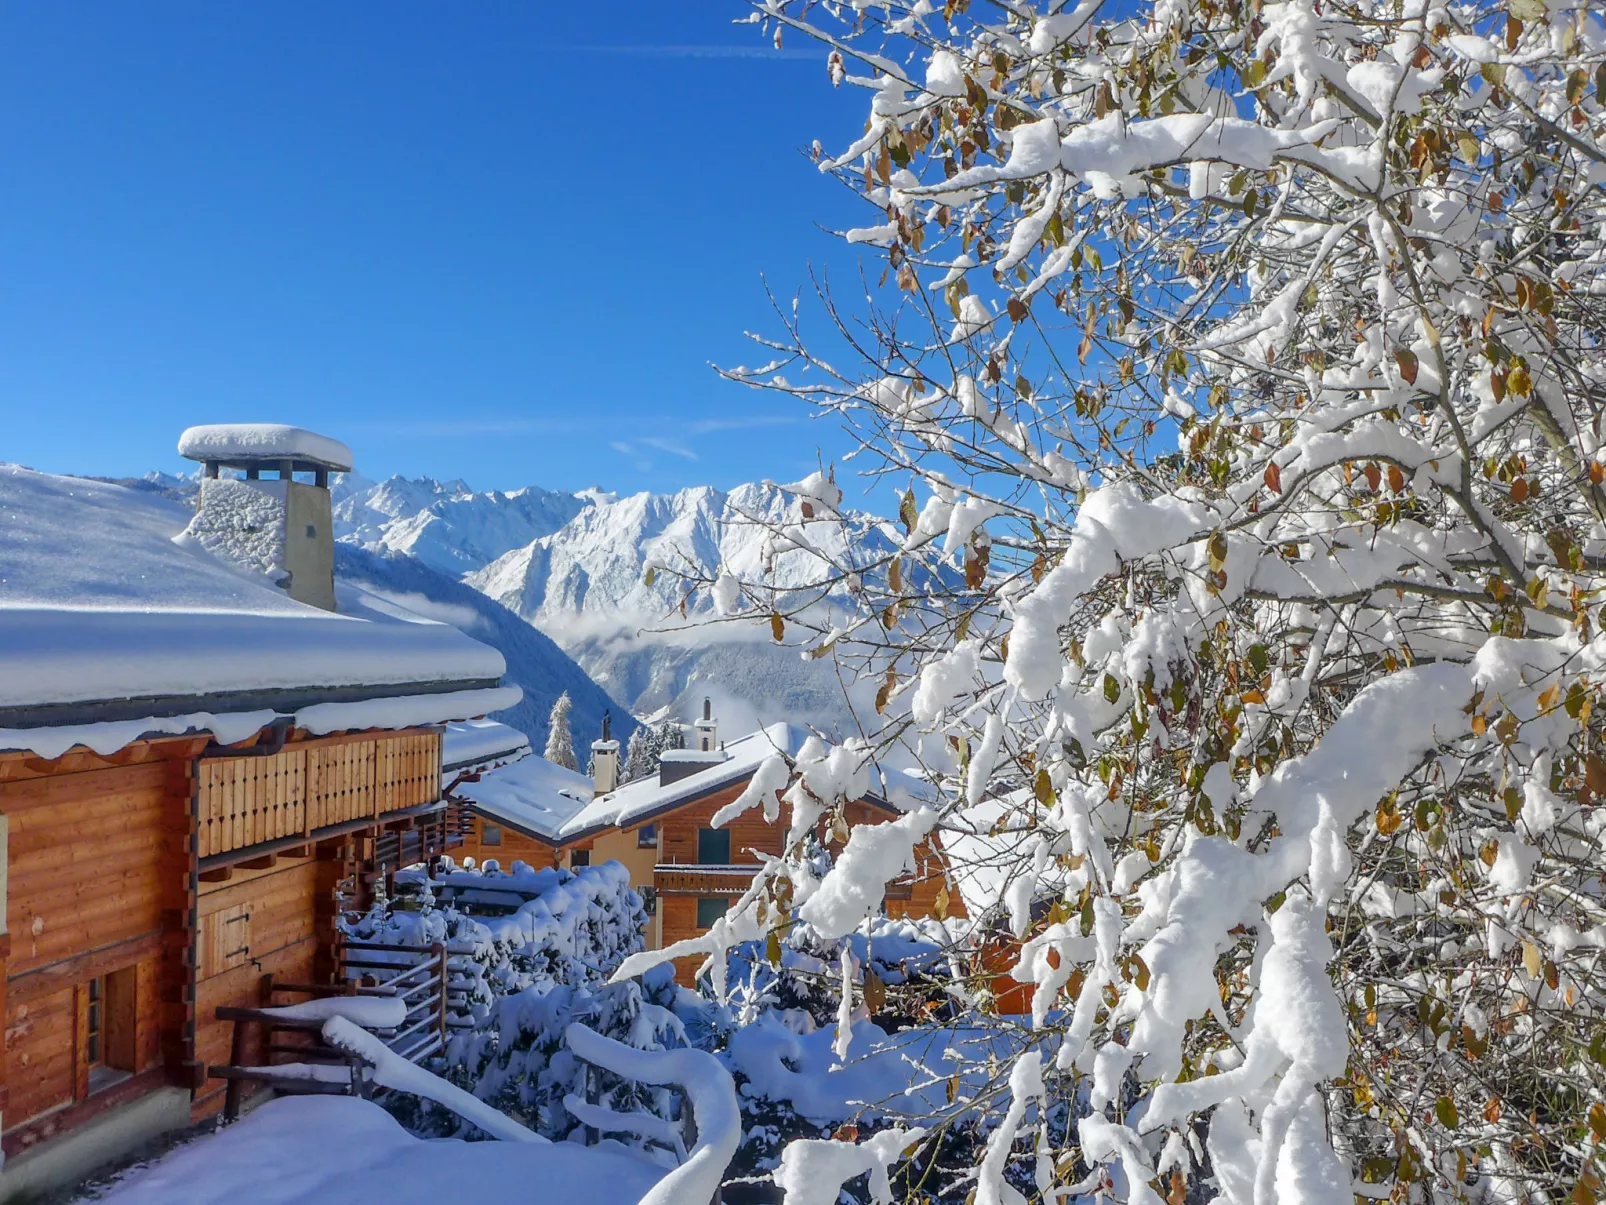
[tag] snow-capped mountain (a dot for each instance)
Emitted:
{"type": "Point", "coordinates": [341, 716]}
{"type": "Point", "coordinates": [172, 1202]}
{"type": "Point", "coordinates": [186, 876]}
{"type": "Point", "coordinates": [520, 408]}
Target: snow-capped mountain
{"type": "Point", "coordinates": [583, 581]}
{"type": "Point", "coordinates": [445, 524]}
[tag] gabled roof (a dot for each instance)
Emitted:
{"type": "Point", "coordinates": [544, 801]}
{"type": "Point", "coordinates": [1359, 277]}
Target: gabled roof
{"type": "Point", "coordinates": [110, 631]}
{"type": "Point", "coordinates": [646, 798]}
{"type": "Point", "coordinates": [532, 796]}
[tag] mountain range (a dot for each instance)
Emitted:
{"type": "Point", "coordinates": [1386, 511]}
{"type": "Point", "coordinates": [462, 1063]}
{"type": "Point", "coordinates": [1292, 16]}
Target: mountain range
{"type": "Point", "coordinates": [575, 567]}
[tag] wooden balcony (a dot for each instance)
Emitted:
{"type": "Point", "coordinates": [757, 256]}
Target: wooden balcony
{"type": "Point", "coordinates": [675, 878]}
{"type": "Point", "coordinates": [312, 785]}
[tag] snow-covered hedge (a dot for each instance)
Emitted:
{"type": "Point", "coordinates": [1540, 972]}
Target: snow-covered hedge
{"type": "Point", "coordinates": [529, 954]}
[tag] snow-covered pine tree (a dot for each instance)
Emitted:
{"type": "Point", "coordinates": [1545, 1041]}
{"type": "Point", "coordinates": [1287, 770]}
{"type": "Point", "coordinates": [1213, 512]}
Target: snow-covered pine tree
{"type": "Point", "coordinates": [1238, 367]}
{"type": "Point", "coordinates": [559, 736]}
{"type": "Point", "coordinates": [640, 757]}
{"type": "Point", "coordinates": [670, 736]}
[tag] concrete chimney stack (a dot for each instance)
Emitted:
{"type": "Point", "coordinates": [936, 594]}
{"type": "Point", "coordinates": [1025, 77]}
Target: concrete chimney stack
{"type": "Point", "coordinates": [707, 729]}
{"type": "Point", "coordinates": [275, 525]}
{"type": "Point", "coordinates": [605, 759]}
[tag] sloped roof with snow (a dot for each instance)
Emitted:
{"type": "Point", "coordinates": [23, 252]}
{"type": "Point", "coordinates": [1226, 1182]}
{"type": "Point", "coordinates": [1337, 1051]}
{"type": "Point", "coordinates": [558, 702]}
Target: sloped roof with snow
{"type": "Point", "coordinates": [532, 796]}
{"type": "Point", "coordinates": [645, 797]}
{"type": "Point", "coordinates": [109, 631]}
{"type": "Point", "coordinates": [480, 745]}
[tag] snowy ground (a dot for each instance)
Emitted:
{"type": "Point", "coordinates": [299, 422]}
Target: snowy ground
{"type": "Point", "coordinates": [324, 1150]}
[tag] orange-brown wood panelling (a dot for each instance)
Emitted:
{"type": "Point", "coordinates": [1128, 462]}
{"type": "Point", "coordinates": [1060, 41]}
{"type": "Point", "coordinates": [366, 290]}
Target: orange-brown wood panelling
{"type": "Point", "coordinates": [513, 847]}
{"type": "Point", "coordinates": [92, 851]}
{"type": "Point", "coordinates": [251, 926]}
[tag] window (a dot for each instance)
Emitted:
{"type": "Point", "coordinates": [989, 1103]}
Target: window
{"type": "Point", "coordinates": [647, 836]}
{"type": "Point", "coordinates": [713, 847]}
{"type": "Point", "coordinates": [107, 1015]}
{"type": "Point", "coordinates": [649, 900]}
{"type": "Point", "coordinates": [94, 1008]}
{"type": "Point", "coordinates": [491, 834]}
{"type": "Point", "coordinates": [710, 909]}
{"type": "Point", "coordinates": [579, 857]}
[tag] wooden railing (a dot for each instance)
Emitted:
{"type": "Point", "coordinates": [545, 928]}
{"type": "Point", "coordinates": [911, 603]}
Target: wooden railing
{"type": "Point", "coordinates": [310, 785]}
{"type": "Point", "coordinates": [416, 974]}
{"type": "Point", "coordinates": [673, 878]}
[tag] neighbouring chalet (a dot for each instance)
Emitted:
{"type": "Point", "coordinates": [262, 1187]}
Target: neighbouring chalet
{"type": "Point", "coordinates": [207, 748]}
{"type": "Point", "coordinates": [660, 827]}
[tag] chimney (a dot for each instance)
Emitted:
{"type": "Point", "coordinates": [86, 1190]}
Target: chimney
{"type": "Point", "coordinates": [276, 525]}
{"type": "Point", "coordinates": [707, 729]}
{"type": "Point", "coordinates": [605, 759]}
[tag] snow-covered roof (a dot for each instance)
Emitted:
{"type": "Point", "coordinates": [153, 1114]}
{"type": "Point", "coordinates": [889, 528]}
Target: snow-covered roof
{"type": "Point", "coordinates": [711, 756]}
{"type": "Point", "coordinates": [480, 745]}
{"type": "Point", "coordinates": [646, 796]}
{"type": "Point", "coordinates": [534, 796]}
{"type": "Point", "coordinates": [109, 631]}
{"type": "Point", "coordinates": [242, 444]}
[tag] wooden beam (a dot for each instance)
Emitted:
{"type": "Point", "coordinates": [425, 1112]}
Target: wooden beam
{"type": "Point", "coordinates": [218, 874]}
{"type": "Point", "coordinates": [265, 862]}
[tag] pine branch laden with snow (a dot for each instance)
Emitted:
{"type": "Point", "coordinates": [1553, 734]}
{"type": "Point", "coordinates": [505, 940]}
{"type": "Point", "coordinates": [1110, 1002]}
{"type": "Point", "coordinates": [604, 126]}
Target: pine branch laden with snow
{"type": "Point", "coordinates": [559, 737]}
{"type": "Point", "coordinates": [1237, 369]}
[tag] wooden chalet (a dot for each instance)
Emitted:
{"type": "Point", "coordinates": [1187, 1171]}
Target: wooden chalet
{"type": "Point", "coordinates": [662, 829]}
{"type": "Point", "coordinates": [198, 770]}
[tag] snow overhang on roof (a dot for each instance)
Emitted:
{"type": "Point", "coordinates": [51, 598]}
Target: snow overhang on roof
{"type": "Point", "coordinates": [252, 445]}
{"type": "Point", "coordinates": [478, 745]}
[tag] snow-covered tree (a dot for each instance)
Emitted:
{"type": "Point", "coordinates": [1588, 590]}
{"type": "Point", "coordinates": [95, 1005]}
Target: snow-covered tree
{"type": "Point", "coordinates": [559, 736]}
{"type": "Point", "coordinates": [1238, 369]}
{"type": "Point", "coordinates": [670, 735]}
{"type": "Point", "coordinates": [641, 755]}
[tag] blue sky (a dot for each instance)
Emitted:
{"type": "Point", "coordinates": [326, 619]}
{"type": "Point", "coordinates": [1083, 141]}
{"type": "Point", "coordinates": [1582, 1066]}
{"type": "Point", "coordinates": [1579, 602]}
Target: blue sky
{"type": "Point", "coordinates": [498, 241]}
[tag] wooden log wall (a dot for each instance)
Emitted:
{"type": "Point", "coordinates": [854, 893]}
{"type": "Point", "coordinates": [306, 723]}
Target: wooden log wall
{"type": "Point", "coordinates": [99, 865]}
{"type": "Point", "coordinates": [513, 847]}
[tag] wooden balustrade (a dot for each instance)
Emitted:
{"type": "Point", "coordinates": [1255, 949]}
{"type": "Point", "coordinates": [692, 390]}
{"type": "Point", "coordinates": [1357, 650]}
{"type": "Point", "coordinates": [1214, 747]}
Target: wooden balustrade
{"type": "Point", "coordinates": [311, 785]}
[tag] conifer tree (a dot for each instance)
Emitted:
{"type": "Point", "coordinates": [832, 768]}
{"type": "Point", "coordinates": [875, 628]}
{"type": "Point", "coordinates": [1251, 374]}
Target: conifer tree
{"type": "Point", "coordinates": [640, 757]}
{"type": "Point", "coordinates": [670, 736]}
{"type": "Point", "coordinates": [559, 739]}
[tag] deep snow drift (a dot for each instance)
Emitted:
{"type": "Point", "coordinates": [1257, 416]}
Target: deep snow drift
{"type": "Point", "coordinates": [317, 1150]}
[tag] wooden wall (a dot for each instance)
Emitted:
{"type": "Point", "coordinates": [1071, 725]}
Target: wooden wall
{"type": "Point", "coordinates": [515, 847]}
{"type": "Point", "coordinates": [255, 924]}
{"type": "Point", "coordinates": [751, 834]}
{"type": "Point", "coordinates": [99, 856]}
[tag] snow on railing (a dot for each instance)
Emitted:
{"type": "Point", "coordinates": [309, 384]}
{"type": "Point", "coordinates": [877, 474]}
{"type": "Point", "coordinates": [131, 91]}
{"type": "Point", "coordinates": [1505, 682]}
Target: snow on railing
{"type": "Point", "coordinates": [709, 1090]}
{"type": "Point", "coordinates": [391, 1070]}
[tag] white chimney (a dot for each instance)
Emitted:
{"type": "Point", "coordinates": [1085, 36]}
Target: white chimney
{"type": "Point", "coordinates": [278, 526]}
{"type": "Point", "coordinates": [605, 759]}
{"type": "Point", "coordinates": [707, 729]}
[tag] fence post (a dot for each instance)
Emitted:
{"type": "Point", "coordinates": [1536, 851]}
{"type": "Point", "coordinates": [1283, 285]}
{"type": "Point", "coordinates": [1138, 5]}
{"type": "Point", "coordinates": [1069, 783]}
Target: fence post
{"type": "Point", "coordinates": [440, 949]}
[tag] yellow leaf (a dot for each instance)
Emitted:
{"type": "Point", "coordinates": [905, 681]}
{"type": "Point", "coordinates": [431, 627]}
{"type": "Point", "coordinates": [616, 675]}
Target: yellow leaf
{"type": "Point", "coordinates": [777, 626]}
{"type": "Point", "coordinates": [1531, 959]}
{"type": "Point", "coordinates": [939, 907]}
